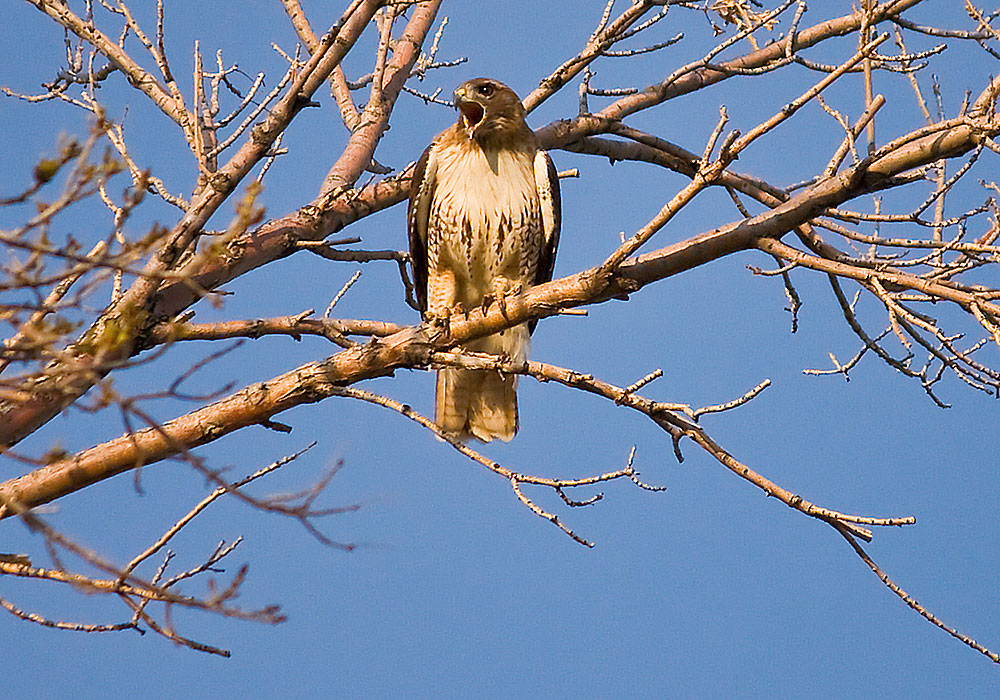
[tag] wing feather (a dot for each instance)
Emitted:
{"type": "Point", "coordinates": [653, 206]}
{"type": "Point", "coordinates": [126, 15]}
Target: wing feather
{"type": "Point", "coordinates": [547, 186]}
{"type": "Point", "coordinates": [418, 215]}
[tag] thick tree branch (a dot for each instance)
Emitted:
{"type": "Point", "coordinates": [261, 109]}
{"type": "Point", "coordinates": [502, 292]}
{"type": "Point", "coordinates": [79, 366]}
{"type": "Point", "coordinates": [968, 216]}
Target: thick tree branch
{"type": "Point", "coordinates": [374, 120]}
{"type": "Point", "coordinates": [67, 380]}
{"type": "Point", "coordinates": [561, 133]}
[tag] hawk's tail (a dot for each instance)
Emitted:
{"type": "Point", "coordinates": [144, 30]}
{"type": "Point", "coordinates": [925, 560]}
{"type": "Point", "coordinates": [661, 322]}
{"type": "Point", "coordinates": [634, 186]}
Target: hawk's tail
{"type": "Point", "coordinates": [482, 403]}
{"type": "Point", "coordinates": [477, 403]}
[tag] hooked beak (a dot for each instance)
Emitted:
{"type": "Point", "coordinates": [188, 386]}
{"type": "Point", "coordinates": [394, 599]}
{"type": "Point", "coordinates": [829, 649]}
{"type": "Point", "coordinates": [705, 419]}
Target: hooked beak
{"type": "Point", "coordinates": [473, 113]}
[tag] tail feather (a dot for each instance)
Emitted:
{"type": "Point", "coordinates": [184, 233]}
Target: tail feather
{"type": "Point", "coordinates": [482, 403]}
{"type": "Point", "coordinates": [451, 409]}
{"type": "Point", "coordinates": [493, 407]}
{"type": "Point", "coordinates": [477, 403]}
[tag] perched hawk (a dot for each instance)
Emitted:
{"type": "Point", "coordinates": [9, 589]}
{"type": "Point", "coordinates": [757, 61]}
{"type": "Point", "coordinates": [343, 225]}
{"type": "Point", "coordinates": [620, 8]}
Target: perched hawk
{"type": "Point", "coordinates": [483, 222]}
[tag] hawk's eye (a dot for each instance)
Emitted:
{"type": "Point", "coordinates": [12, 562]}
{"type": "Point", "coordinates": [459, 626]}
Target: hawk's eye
{"type": "Point", "coordinates": [485, 90]}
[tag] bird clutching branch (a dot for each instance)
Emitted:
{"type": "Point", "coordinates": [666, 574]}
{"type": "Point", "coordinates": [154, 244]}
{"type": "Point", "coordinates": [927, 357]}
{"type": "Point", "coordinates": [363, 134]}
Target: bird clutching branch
{"type": "Point", "coordinates": [484, 221]}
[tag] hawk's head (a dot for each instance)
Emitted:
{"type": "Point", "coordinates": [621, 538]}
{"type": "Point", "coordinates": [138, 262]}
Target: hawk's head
{"type": "Point", "coordinates": [489, 110]}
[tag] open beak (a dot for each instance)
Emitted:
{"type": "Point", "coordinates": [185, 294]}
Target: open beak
{"type": "Point", "coordinates": [472, 112]}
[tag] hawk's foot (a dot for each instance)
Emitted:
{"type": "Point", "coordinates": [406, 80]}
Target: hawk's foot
{"type": "Point", "coordinates": [439, 320]}
{"type": "Point", "coordinates": [459, 309]}
{"type": "Point", "coordinates": [488, 299]}
{"type": "Point", "coordinates": [502, 302]}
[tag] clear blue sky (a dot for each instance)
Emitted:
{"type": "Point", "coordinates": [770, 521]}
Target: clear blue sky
{"type": "Point", "coordinates": [707, 590]}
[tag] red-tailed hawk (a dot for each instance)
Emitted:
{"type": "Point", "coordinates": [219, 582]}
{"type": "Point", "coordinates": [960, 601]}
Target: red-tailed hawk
{"type": "Point", "coordinates": [483, 222]}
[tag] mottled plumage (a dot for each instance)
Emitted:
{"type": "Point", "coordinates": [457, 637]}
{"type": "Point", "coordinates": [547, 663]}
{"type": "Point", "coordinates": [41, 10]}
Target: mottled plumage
{"type": "Point", "coordinates": [483, 222]}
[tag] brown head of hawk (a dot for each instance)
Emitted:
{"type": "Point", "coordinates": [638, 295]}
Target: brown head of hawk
{"type": "Point", "coordinates": [483, 222]}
